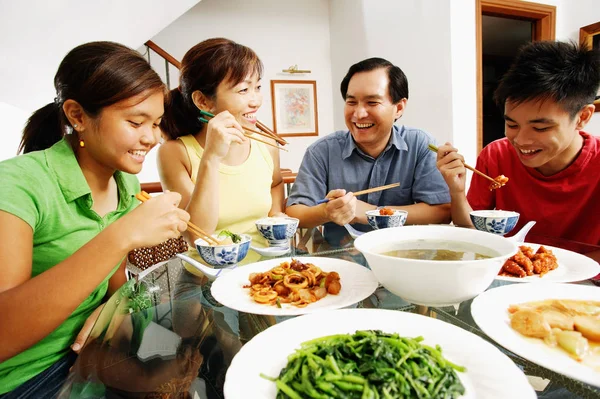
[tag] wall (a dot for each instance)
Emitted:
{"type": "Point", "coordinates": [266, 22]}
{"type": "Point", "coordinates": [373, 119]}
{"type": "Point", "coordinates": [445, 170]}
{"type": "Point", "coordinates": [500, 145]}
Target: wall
{"type": "Point", "coordinates": [35, 35]}
{"type": "Point", "coordinates": [280, 34]}
{"type": "Point", "coordinates": [577, 14]}
{"type": "Point", "coordinates": [413, 34]}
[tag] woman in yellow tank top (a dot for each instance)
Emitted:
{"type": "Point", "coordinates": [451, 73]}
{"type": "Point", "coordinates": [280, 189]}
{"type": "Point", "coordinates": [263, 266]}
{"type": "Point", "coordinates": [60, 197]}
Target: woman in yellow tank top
{"type": "Point", "coordinates": [226, 180]}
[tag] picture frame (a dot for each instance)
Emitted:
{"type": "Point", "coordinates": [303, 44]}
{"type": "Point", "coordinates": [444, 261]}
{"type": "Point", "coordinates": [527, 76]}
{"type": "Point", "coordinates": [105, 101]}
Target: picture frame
{"type": "Point", "coordinates": [590, 36]}
{"type": "Point", "coordinates": [295, 111]}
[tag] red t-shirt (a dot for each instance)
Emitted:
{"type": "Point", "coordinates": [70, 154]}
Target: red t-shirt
{"type": "Point", "coordinates": [565, 205]}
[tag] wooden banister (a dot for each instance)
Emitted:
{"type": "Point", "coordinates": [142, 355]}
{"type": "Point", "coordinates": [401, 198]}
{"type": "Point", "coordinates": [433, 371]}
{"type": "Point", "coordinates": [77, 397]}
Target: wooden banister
{"type": "Point", "coordinates": [158, 50]}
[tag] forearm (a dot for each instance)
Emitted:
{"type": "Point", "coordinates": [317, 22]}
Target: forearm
{"type": "Point", "coordinates": [204, 203]}
{"type": "Point", "coordinates": [277, 197]}
{"type": "Point", "coordinates": [309, 216]}
{"type": "Point", "coordinates": [460, 210]}
{"type": "Point", "coordinates": [361, 208]}
{"type": "Point", "coordinates": [423, 213]}
{"type": "Point", "coordinates": [32, 310]}
{"type": "Point", "coordinates": [117, 279]}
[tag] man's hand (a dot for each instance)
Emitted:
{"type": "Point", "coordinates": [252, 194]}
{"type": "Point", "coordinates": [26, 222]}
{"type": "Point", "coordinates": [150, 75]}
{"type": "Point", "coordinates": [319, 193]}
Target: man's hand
{"type": "Point", "coordinates": [341, 208]}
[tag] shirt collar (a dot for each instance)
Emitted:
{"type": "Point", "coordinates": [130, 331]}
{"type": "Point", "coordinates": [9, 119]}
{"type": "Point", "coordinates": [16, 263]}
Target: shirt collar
{"type": "Point", "coordinates": [396, 140]}
{"type": "Point", "coordinates": [62, 161]}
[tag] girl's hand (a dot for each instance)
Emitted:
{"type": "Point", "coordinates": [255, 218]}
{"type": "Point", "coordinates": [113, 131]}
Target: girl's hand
{"type": "Point", "coordinates": [85, 331]}
{"type": "Point", "coordinates": [222, 130]}
{"type": "Point", "coordinates": [154, 221]}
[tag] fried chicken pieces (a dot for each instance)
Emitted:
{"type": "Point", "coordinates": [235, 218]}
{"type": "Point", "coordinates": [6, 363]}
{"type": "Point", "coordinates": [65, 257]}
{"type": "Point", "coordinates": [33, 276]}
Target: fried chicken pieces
{"type": "Point", "coordinates": [527, 262]}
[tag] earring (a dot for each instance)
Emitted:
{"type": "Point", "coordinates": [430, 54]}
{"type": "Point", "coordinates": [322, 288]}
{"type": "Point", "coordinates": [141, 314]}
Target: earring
{"type": "Point", "coordinates": [81, 143]}
{"type": "Point", "coordinates": [75, 125]}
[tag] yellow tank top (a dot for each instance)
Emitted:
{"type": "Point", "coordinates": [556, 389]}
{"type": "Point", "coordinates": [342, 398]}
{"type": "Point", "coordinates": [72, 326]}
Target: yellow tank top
{"type": "Point", "coordinates": [244, 190]}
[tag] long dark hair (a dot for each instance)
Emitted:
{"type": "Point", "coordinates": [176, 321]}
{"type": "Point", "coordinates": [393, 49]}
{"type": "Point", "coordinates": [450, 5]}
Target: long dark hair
{"type": "Point", "coordinates": [203, 68]}
{"type": "Point", "coordinates": [96, 75]}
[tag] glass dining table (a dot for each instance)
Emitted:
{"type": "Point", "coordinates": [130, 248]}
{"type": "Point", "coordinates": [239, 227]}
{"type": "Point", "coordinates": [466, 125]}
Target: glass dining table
{"type": "Point", "coordinates": [163, 335]}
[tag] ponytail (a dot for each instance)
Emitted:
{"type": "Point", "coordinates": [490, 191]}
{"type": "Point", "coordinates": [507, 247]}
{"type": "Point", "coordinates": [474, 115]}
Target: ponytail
{"type": "Point", "coordinates": [43, 129]}
{"type": "Point", "coordinates": [181, 118]}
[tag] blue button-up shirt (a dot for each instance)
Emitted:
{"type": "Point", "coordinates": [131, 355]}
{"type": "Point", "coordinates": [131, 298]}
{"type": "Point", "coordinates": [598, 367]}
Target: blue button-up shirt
{"type": "Point", "coordinates": [335, 161]}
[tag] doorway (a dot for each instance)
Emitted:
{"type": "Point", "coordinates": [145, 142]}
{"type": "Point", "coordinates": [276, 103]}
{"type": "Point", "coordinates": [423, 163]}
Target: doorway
{"type": "Point", "coordinates": [501, 39]}
{"type": "Point", "coordinates": [502, 27]}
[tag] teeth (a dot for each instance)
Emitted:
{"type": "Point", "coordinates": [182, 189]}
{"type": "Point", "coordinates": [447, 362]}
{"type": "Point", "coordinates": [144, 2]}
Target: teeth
{"type": "Point", "coordinates": [364, 125]}
{"type": "Point", "coordinates": [140, 153]}
{"type": "Point", "coordinates": [248, 116]}
{"type": "Point", "coordinates": [528, 151]}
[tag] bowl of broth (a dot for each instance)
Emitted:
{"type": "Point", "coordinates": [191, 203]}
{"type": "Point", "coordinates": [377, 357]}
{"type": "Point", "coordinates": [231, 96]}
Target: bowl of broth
{"type": "Point", "coordinates": [435, 265]}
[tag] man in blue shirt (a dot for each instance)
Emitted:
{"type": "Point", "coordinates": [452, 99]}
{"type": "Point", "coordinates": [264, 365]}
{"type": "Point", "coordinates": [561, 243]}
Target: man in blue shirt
{"type": "Point", "coordinates": [373, 152]}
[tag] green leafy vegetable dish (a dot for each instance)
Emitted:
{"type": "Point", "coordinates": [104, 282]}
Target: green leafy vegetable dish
{"type": "Point", "coordinates": [368, 365]}
{"type": "Point", "coordinates": [235, 238]}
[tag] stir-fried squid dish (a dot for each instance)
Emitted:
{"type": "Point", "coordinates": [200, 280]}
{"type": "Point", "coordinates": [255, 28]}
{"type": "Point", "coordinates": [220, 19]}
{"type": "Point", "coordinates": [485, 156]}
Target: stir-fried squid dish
{"type": "Point", "coordinates": [500, 181]}
{"type": "Point", "coordinates": [527, 262]}
{"type": "Point", "coordinates": [571, 325]}
{"type": "Point", "coordinates": [296, 283]}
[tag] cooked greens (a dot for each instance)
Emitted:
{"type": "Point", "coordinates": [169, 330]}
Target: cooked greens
{"type": "Point", "coordinates": [368, 365]}
{"type": "Point", "coordinates": [234, 237]}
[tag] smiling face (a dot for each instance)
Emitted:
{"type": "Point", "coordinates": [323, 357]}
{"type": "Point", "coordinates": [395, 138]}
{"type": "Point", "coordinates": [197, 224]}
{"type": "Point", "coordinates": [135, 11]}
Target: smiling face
{"type": "Point", "coordinates": [241, 100]}
{"type": "Point", "coordinates": [121, 136]}
{"type": "Point", "coordinates": [369, 111]}
{"type": "Point", "coordinates": [544, 134]}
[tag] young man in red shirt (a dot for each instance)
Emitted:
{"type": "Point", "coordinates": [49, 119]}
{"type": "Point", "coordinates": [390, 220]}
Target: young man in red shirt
{"type": "Point", "coordinates": [553, 166]}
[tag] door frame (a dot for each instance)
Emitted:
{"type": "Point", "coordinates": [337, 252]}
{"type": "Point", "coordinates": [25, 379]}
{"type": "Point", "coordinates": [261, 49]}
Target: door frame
{"type": "Point", "coordinates": [543, 17]}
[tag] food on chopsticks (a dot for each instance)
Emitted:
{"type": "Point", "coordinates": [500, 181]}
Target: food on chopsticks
{"type": "Point", "coordinates": [528, 262]}
{"type": "Point", "coordinates": [386, 212]}
{"type": "Point", "coordinates": [227, 237]}
{"type": "Point", "coordinates": [296, 283]}
{"type": "Point", "coordinates": [499, 182]}
{"type": "Point", "coordinates": [571, 325]}
{"type": "Point", "coordinates": [368, 364]}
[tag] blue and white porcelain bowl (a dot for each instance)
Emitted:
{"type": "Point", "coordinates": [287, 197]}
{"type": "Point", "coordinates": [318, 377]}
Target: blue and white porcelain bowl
{"type": "Point", "coordinates": [494, 221]}
{"type": "Point", "coordinates": [277, 230]}
{"type": "Point", "coordinates": [220, 256]}
{"type": "Point", "coordinates": [378, 221]}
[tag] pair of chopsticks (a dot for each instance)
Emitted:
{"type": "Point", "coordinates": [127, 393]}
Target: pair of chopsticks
{"type": "Point", "coordinates": [248, 132]}
{"type": "Point", "coordinates": [144, 196]}
{"type": "Point", "coordinates": [496, 182]}
{"type": "Point", "coordinates": [367, 191]}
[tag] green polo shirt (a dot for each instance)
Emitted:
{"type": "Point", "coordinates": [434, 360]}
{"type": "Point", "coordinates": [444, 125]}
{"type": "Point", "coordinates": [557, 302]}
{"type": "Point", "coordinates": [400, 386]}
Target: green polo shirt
{"type": "Point", "coordinates": [48, 191]}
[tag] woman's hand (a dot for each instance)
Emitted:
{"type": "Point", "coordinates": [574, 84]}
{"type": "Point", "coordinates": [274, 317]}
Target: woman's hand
{"type": "Point", "coordinates": [85, 331]}
{"type": "Point", "coordinates": [222, 130]}
{"type": "Point", "coordinates": [154, 221]}
{"type": "Point", "coordinates": [452, 167]}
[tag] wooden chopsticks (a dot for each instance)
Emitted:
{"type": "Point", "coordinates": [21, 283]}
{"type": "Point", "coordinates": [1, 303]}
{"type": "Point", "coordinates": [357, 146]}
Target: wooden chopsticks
{"type": "Point", "coordinates": [271, 133]}
{"type": "Point", "coordinates": [496, 182]}
{"type": "Point", "coordinates": [249, 133]}
{"type": "Point", "coordinates": [367, 191]}
{"type": "Point", "coordinates": [144, 196]}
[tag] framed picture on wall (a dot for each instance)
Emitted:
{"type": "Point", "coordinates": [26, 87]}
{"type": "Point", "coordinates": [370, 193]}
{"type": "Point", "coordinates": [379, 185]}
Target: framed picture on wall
{"type": "Point", "coordinates": [590, 36]}
{"type": "Point", "coordinates": [295, 107]}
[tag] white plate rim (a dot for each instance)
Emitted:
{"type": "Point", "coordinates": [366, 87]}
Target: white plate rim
{"type": "Point", "coordinates": [489, 310]}
{"type": "Point", "coordinates": [358, 282]}
{"type": "Point", "coordinates": [572, 267]}
{"type": "Point", "coordinates": [498, 367]}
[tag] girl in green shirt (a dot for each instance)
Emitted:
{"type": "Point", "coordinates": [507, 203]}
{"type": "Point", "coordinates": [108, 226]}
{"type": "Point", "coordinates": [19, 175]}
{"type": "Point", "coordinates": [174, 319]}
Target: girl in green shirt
{"type": "Point", "coordinates": [67, 213]}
